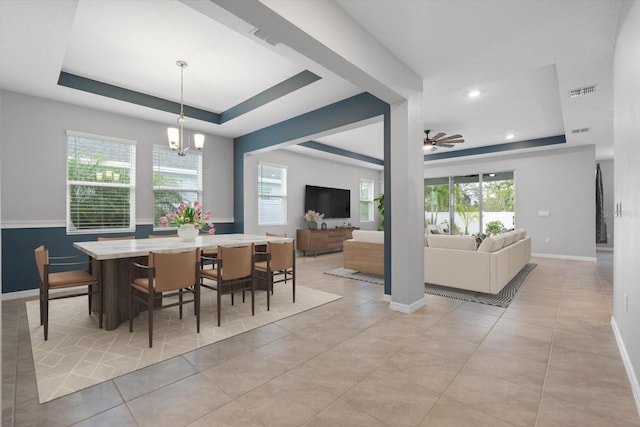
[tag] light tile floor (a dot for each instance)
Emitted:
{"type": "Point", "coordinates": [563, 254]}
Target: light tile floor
{"type": "Point", "coordinates": [550, 359]}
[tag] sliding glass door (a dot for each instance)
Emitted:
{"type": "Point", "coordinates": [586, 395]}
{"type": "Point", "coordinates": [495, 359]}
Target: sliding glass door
{"type": "Point", "coordinates": [466, 205]}
{"type": "Point", "coordinates": [498, 203]}
{"type": "Point", "coordinates": [436, 204]}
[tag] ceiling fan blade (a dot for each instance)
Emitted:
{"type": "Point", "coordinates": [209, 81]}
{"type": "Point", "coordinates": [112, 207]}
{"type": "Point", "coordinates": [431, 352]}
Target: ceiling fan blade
{"type": "Point", "coordinates": [438, 136]}
{"type": "Point", "coordinates": [449, 138]}
{"type": "Point", "coordinates": [445, 145]}
{"type": "Point", "coordinates": [457, 141]}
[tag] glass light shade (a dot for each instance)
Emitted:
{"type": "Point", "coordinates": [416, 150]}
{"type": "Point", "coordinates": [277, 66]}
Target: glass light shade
{"type": "Point", "coordinates": [108, 174]}
{"type": "Point", "coordinates": [116, 176]}
{"type": "Point", "coordinates": [198, 139]}
{"type": "Point", "coordinates": [98, 176]}
{"type": "Point", "coordinates": [174, 138]}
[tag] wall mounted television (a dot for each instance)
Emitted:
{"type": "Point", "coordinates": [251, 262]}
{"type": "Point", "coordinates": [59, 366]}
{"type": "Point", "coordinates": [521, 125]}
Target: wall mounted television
{"type": "Point", "coordinates": [332, 202]}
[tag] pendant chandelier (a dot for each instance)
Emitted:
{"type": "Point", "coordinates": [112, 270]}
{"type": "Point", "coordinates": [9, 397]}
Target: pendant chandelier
{"type": "Point", "coordinates": [176, 135]}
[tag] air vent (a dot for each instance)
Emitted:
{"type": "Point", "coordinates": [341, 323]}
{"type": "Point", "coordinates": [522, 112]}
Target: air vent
{"type": "Point", "coordinates": [263, 35]}
{"type": "Point", "coordinates": [583, 130]}
{"type": "Point", "coordinates": [582, 91]}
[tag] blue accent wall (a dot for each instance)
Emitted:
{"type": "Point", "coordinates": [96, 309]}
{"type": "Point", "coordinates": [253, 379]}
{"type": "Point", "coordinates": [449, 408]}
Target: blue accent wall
{"type": "Point", "coordinates": [294, 83]}
{"type": "Point", "coordinates": [116, 92]}
{"type": "Point", "coordinates": [97, 87]}
{"type": "Point", "coordinates": [19, 272]}
{"type": "Point", "coordinates": [315, 145]}
{"type": "Point", "coordinates": [496, 148]}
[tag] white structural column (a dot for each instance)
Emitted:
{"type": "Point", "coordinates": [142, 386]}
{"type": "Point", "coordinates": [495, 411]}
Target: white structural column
{"type": "Point", "coordinates": [407, 205]}
{"type": "Point", "coordinates": [355, 55]}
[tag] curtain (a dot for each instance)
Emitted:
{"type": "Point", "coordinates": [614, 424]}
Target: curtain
{"type": "Point", "coordinates": [601, 226]}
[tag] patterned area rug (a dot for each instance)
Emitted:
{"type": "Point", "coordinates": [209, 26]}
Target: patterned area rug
{"type": "Point", "coordinates": [502, 299]}
{"type": "Point", "coordinates": [78, 354]}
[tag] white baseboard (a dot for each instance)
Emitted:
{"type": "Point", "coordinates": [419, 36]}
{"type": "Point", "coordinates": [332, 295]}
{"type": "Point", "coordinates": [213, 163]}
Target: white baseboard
{"type": "Point", "coordinates": [631, 373]}
{"type": "Point", "coordinates": [386, 298]}
{"type": "Point", "coordinates": [406, 308]}
{"type": "Point", "coordinates": [568, 257]}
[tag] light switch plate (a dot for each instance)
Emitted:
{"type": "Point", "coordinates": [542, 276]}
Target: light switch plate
{"type": "Point", "coordinates": [543, 213]}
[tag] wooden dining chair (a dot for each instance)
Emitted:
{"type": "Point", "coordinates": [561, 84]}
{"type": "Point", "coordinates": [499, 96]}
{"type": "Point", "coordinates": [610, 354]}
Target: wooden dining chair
{"type": "Point", "coordinates": [233, 271]}
{"type": "Point", "coordinates": [159, 236]}
{"type": "Point", "coordinates": [62, 280]}
{"type": "Point", "coordinates": [167, 275]}
{"type": "Point", "coordinates": [277, 266]}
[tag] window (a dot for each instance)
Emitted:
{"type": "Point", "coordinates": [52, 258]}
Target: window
{"type": "Point", "coordinates": [272, 194]}
{"type": "Point", "coordinates": [366, 200]}
{"type": "Point", "coordinates": [470, 203]}
{"type": "Point", "coordinates": [176, 179]}
{"type": "Point", "coordinates": [101, 182]}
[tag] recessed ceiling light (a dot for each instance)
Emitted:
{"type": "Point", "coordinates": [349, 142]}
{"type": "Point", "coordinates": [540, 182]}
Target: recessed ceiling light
{"type": "Point", "coordinates": [510, 136]}
{"type": "Point", "coordinates": [473, 93]}
{"type": "Point", "coordinates": [492, 175]}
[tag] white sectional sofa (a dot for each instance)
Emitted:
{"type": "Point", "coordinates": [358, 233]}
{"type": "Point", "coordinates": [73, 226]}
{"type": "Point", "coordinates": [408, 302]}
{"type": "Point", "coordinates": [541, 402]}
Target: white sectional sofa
{"type": "Point", "coordinates": [454, 261]}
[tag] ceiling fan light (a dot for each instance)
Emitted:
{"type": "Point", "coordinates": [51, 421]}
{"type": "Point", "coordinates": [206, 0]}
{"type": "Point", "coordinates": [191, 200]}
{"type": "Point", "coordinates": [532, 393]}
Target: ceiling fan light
{"type": "Point", "coordinates": [510, 136]}
{"type": "Point", "coordinates": [198, 140]}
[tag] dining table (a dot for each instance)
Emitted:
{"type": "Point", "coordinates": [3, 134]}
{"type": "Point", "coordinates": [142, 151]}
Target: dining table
{"type": "Point", "coordinates": [113, 259]}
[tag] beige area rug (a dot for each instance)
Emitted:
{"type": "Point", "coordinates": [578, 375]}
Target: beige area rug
{"type": "Point", "coordinates": [78, 354]}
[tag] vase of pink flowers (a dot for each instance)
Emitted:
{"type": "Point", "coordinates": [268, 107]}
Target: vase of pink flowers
{"type": "Point", "coordinates": [189, 219]}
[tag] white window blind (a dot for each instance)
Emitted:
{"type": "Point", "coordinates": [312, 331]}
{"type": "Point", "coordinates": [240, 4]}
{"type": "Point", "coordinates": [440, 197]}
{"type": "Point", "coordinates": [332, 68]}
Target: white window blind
{"type": "Point", "coordinates": [272, 194]}
{"type": "Point", "coordinates": [366, 200]}
{"type": "Point", "coordinates": [176, 179]}
{"type": "Point", "coordinates": [101, 182]}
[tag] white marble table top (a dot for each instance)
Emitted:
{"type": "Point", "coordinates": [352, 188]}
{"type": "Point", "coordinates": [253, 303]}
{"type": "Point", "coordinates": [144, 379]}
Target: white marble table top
{"type": "Point", "coordinates": [113, 249]}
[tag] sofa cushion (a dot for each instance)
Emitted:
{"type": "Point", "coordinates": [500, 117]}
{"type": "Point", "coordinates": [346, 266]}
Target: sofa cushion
{"type": "Point", "coordinates": [446, 241]}
{"type": "Point", "coordinates": [522, 232]}
{"type": "Point", "coordinates": [509, 237]}
{"type": "Point", "coordinates": [492, 243]}
{"type": "Point", "coordinates": [368, 236]}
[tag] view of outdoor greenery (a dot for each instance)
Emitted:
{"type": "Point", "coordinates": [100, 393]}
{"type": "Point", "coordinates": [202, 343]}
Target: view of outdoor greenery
{"type": "Point", "coordinates": [98, 185]}
{"type": "Point", "coordinates": [176, 179]}
{"type": "Point", "coordinates": [494, 194]}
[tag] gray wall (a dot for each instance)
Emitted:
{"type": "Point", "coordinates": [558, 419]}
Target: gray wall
{"type": "Point", "coordinates": [560, 181]}
{"type": "Point", "coordinates": [606, 167]}
{"type": "Point", "coordinates": [626, 120]}
{"type": "Point", "coordinates": [33, 160]}
{"type": "Point", "coordinates": [303, 170]}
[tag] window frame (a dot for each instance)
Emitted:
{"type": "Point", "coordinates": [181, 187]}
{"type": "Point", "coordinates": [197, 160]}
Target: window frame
{"type": "Point", "coordinates": [200, 180]}
{"type": "Point", "coordinates": [131, 185]}
{"type": "Point", "coordinates": [371, 217]}
{"type": "Point", "coordinates": [284, 196]}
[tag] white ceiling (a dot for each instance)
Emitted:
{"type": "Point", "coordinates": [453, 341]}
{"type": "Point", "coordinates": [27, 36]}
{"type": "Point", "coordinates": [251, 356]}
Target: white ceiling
{"type": "Point", "coordinates": [523, 55]}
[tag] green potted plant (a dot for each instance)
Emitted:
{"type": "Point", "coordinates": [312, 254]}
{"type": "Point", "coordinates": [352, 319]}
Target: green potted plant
{"type": "Point", "coordinates": [494, 227]}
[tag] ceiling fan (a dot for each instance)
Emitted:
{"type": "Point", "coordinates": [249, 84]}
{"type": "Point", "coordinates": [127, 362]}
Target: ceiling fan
{"type": "Point", "coordinates": [439, 140]}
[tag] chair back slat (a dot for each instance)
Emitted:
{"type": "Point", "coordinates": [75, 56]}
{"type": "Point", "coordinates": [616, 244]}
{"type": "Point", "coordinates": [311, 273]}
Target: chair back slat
{"type": "Point", "coordinates": [281, 255]}
{"type": "Point", "coordinates": [174, 270]}
{"type": "Point", "coordinates": [42, 258]}
{"type": "Point", "coordinates": [236, 261]}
